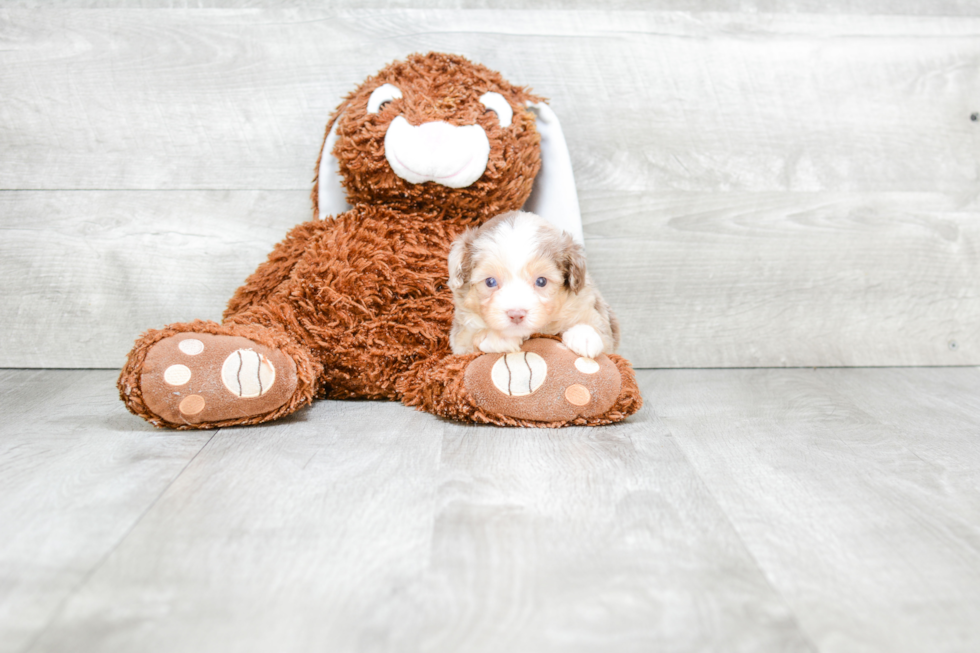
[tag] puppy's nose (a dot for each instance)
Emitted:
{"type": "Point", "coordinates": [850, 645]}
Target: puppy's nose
{"type": "Point", "coordinates": [517, 315]}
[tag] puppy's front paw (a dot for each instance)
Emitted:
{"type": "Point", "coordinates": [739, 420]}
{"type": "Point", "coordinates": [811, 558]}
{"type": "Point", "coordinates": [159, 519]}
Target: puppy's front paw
{"type": "Point", "coordinates": [494, 344]}
{"type": "Point", "coordinates": [583, 340]}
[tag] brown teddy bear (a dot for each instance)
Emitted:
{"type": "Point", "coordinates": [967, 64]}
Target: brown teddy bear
{"type": "Point", "coordinates": [358, 305]}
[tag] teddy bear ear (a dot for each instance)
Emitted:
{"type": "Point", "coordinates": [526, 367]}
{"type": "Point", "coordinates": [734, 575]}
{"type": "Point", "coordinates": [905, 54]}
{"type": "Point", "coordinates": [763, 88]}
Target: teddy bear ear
{"type": "Point", "coordinates": [553, 195]}
{"type": "Point", "coordinates": [331, 197]}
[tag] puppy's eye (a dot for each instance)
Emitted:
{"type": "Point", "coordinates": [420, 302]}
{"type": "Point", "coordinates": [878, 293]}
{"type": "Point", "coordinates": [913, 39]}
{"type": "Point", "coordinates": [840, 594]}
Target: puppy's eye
{"type": "Point", "coordinates": [541, 282]}
{"type": "Point", "coordinates": [491, 282]}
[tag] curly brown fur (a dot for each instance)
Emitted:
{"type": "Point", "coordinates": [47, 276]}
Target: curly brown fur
{"type": "Point", "coordinates": [367, 291]}
{"type": "Point", "coordinates": [360, 302]}
{"type": "Point", "coordinates": [440, 87]}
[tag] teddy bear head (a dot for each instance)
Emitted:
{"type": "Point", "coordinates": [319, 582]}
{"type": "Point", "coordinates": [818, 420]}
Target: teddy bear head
{"type": "Point", "coordinates": [434, 134]}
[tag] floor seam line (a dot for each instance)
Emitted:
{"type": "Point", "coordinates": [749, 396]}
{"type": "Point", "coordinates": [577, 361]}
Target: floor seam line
{"type": "Point", "coordinates": [105, 557]}
{"type": "Point", "coordinates": [755, 561]}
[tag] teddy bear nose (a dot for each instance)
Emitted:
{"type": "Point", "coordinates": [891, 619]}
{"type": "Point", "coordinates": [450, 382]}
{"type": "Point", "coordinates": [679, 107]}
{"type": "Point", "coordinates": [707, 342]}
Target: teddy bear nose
{"type": "Point", "coordinates": [517, 315]}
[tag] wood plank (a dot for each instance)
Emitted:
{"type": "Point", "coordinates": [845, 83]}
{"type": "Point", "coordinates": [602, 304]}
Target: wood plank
{"type": "Point", "coordinates": [76, 474]}
{"type": "Point", "coordinates": [855, 490]}
{"type": "Point", "coordinates": [938, 416]}
{"type": "Point", "coordinates": [282, 537]}
{"type": "Point", "coordinates": [359, 525]}
{"type": "Point", "coordinates": [790, 279]}
{"type": "Point", "coordinates": [83, 273]}
{"type": "Point", "coordinates": [588, 540]}
{"type": "Point", "coordinates": [698, 280]}
{"type": "Point", "coordinates": [700, 101]}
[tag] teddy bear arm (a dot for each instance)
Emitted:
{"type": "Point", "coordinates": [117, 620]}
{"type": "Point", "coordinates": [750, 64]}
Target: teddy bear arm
{"type": "Point", "coordinates": [275, 270]}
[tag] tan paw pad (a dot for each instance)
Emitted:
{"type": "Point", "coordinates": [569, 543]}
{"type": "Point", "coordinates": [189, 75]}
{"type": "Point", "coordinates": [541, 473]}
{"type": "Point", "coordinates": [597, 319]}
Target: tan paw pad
{"type": "Point", "coordinates": [577, 395]}
{"type": "Point", "coordinates": [204, 378]}
{"type": "Point", "coordinates": [191, 346]}
{"type": "Point", "coordinates": [519, 374]}
{"type": "Point", "coordinates": [545, 382]}
{"type": "Point", "coordinates": [586, 365]}
{"type": "Point", "coordinates": [192, 404]}
{"type": "Point", "coordinates": [247, 373]}
{"type": "Point", "coordinates": [177, 375]}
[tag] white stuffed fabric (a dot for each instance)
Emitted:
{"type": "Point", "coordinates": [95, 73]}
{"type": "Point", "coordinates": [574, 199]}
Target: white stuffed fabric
{"type": "Point", "coordinates": [331, 198]}
{"type": "Point", "coordinates": [554, 197]}
{"type": "Point", "coordinates": [437, 151]}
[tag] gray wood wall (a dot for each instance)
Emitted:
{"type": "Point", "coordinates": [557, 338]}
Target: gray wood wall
{"type": "Point", "coordinates": [760, 187]}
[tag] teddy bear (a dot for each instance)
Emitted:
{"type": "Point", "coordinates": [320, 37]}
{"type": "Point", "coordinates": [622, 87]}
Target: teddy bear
{"type": "Point", "coordinates": [355, 303]}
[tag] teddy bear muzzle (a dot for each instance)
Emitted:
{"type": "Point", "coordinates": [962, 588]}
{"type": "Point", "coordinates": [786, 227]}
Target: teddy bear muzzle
{"type": "Point", "coordinates": [449, 155]}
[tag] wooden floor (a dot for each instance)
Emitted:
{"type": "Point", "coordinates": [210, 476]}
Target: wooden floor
{"type": "Point", "coordinates": [741, 510]}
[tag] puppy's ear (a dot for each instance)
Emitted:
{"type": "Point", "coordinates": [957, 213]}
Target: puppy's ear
{"type": "Point", "coordinates": [461, 260]}
{"type": "Point", "coordinates": [572, 263]}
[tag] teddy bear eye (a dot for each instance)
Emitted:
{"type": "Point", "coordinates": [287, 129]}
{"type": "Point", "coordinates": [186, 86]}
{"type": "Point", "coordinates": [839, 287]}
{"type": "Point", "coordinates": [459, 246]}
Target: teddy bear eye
{"type": "Point", "coordinates": [491, 282]}
{"type": "Point", "coordinates": [382, 96]}
{"type": "Point", "coordinates": [495, 102]}
{"type": "Point", "coordinates": [541, 282]}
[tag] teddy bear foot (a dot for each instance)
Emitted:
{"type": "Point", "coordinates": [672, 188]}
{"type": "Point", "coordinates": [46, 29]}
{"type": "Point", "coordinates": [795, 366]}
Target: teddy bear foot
{"type": "Point", "coordinates": [202, 379]}
{"type": "Point", "coordinates": [544, 382]}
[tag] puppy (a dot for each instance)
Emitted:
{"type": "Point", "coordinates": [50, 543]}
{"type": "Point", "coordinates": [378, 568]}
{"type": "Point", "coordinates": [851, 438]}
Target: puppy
{"type": "Point", "coordinates": [517, 275]}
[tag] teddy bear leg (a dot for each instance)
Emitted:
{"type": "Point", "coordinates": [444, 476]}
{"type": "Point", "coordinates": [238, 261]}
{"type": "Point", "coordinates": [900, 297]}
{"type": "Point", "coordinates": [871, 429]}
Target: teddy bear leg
{"type": "Point", "coordinates": [545, 384]}
{"type": "Point", "coordinates": [205, 375]}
